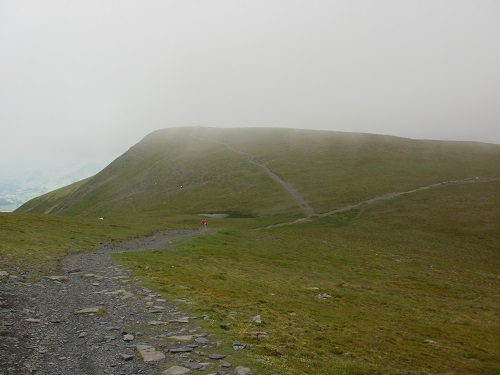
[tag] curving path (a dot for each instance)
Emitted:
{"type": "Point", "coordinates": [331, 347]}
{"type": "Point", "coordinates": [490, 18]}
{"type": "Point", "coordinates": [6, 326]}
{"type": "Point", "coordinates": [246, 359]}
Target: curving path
{"type": "Point", "coordinates": [93, 317]}
{"type": "Point", "coordinates": [380, 198]}
{"type": "Point", "coordinates": [303, 204]}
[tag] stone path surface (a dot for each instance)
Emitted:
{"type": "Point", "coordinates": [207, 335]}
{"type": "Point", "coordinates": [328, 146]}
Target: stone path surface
{"type": "Point", "coordinates": [93, 317]}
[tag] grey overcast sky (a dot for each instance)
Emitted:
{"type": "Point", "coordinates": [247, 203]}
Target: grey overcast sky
{"type": "Point", "coordinates": [85, 80]}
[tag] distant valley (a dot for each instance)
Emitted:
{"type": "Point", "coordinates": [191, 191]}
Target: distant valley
{"type": "Point", "coordinates": [20, 187]}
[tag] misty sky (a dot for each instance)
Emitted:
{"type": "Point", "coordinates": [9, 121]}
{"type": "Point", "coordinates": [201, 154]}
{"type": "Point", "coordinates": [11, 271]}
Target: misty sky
{"type": "Point", "coordinates": [85, 80]}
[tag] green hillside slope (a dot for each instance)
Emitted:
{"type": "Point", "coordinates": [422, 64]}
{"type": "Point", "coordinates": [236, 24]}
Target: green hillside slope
{"type": "Point", "coordinates": [198, 170]}
{"type": "Point", "coordinates": [407, 284]}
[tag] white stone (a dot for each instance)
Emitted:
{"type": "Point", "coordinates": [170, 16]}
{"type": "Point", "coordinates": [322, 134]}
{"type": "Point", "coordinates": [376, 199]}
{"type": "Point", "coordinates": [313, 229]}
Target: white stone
{"type": "Point", "coordinates": [57, 278]}
{"type": "Point", "coordinates": [180, 320]}
{"type": "Point", "coordinates": [88, 310]}
{"type": "Point", "coordinates": [240, 370]}
{"type": "Point", "coordinates": [176, 370]}
{"type": "Point", "coordinates": [150, 354]}
{"type": "Point", "coordinates": [256, 319]}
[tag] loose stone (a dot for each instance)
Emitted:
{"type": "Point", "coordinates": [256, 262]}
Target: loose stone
{"type": "Point", "coordinates": [216, 356]}
{"type": "Point", "coordinates": [195, 365]}
{"type": "Point", "coordinates": [256, 319]}
{"type": "Point", "coordinates": [128, 337]}
{"type": "Point", "coordinates": [240, 370]}
{"type": "Point", "coordinates": [88, 310]}
{"type": "Point", "coordinates": [180, 350]}
{"type": "Point", "coordinates": [156, 322]}
{"type": "Point", "coordinates": [57, 278]}
{"type": "Point", "coordinates": [176, 370]}
{"type": "Point", "coordinates": [180, 320]}
{"type": "Point", "coordinates": [259, 334]}
{"type": "Point", "coordinates": [201, 340]}
{"type": "Point", "coordinates": [324, 296]}
{"type": "Point", "coordinates": [32, 320]}
{"type": "Point", "coordinates": [126, 357]}
{"type": "Point", "coordinates": [149, 353]}
{"type": "Point", "coordinates": [238, 346]}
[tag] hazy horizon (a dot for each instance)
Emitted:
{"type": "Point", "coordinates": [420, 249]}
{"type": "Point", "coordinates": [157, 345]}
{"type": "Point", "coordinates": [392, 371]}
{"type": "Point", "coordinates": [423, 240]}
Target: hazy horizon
{"type": "Point", "coordinates": [83, 81]}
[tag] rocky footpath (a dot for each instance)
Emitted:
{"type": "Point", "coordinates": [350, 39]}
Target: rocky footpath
{"type": "Point", "coordinates": [92, 317]}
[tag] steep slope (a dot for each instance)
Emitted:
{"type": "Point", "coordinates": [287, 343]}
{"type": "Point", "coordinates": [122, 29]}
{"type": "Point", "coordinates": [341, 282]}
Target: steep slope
{"type": "Point", "coordinates": [262, 171]}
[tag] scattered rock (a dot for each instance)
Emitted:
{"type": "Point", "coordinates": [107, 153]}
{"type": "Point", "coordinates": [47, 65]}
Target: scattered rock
{"type": "Point", "coordinates": [201, 340]}
{"type": "Point", "coordinates": [238, 346]}
{"type": "Point", "coordinates": [432, 342]}
{"type": "Point", "coordinates": [324, 296]}
{"type": "Point", "coordinates": [127, 357]}
{"type": "Point", "coordinates": [176, 370]}
{"type": "Point", "coordinates": [216, 356]}
{"type": "Point", "coordinates": [149, 353]}
{"type": "Point", "coordinates": [156, 323]}
{"type": "Point", "coordinates": [240, 370]}
{"type": "Point", "coordinates": [92, 275]}
{"type": "Point", "coordinates": [57, 278]}
{"type": "Point", "coordinates": [180, 350]}
{"type": "Point", "coordinates": [33, 320]}
{"type": "Point", "coordinates": [80, 342]}
{"type": "Point", "coordinates": [88, 310]}
{"type": "Point", "coordinates": [180, 320]}
{"type": "Point", "coordinates": [195, 365]}
{"type": "Point", "coordinates": [124, 294]}
{"type": "Point", "coordinates": [128, 337]}
{"type": "Point", "coordinates": [256, 319]}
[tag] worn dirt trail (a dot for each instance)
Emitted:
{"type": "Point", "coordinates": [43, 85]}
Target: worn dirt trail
{"type": "Point", "coordinates": [380, 198]}
{"type": "Point", "coordinates": [45, 329]}
{"type": "Point", "coordinates": [303, 204]}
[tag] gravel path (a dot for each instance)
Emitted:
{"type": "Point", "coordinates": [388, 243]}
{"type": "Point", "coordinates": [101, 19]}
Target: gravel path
{"type": "Point", "coordinates": [92, 317]}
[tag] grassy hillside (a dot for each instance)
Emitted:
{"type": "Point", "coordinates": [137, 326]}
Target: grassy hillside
{"type": "Point", "coordinates": [31, 245]}
{"type": "Point", "coordinates": [332, 169]}
{"type": "Point", "coordinates": [407, 285]}
{"type": "Point", "coordinates": [195, 170]}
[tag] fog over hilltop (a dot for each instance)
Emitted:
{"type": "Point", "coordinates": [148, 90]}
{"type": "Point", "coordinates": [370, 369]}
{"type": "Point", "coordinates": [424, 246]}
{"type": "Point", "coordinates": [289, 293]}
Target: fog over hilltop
{"type": "Point", "coordinates": [85, 80]}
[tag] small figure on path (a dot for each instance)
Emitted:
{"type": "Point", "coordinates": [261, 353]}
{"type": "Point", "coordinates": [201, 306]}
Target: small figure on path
{"type": "Point", "coordinates": [203, 223]}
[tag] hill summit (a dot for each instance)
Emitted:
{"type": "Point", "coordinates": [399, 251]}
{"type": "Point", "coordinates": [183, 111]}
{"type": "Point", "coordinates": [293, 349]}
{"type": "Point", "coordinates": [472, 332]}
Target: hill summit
{"type": "Point", "coordinates": [264, 172]}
